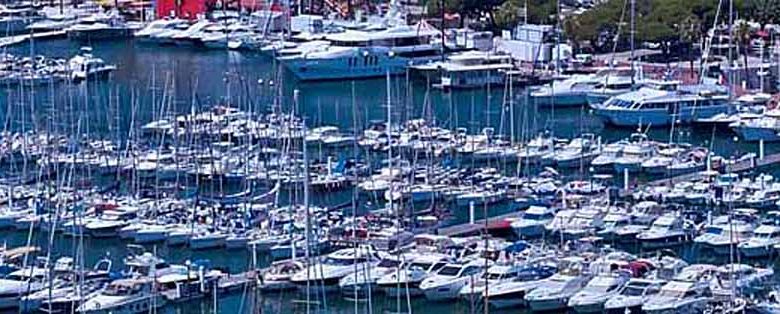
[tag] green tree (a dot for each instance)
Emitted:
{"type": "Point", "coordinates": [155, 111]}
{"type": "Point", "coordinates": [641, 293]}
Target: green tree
{"type": "Point", "coordinates": [763, 11]}
{"type": "Point", "coordinates": [742, 36]}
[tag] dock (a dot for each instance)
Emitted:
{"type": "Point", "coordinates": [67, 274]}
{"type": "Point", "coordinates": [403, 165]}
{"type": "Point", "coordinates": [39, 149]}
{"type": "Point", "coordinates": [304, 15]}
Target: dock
{"type": "Point", "coordinates": [18, 39]}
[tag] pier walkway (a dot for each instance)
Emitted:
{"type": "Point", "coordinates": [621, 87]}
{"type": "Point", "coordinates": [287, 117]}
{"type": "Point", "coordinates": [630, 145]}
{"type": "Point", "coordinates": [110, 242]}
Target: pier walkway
{"type": "Point", "coordinates": [18, 39]}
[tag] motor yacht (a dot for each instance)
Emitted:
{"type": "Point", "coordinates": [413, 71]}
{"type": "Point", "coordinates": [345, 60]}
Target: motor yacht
{"type": "Point", "coordinates": [663, 103]}
{"type": "Point", "coordinates": [364, 54]}
{"type": "Point", "coordinates": [124, 296]}
{"type": "Point", "coordinates": [633, 295]}
{"type": "Point", "coordinates": [446, 283]}
{"type": "Point", "coordinates": [601, 288]}
{"type": "Point", "coordinates": [555, 292]}
{"type": "Point", "coordinates": [328, 272]}
{"type": "Point", "coordinates": [765, 238]}
{"type": "Point", "coordinates": [666, 231]}
{"type": "Point", "coordinates": [407, 280]}
{"type": "Point", "coordinates": [532, 222]}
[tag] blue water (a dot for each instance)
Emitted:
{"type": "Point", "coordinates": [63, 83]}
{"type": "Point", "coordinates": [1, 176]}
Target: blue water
{"type": "Point", "coordinates": [150, 76]}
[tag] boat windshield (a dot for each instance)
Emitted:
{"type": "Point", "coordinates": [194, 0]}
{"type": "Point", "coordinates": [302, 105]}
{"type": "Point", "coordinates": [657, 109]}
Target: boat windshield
{"type": "Point", "coordinates": [119, 290]}
{"type": "Point", "coordinates": [493, 276]}
{"type": "Point", "coordinates": [671, 293]}
{"type": "Point", "coordinates": [342, 261]}
{"type": "Point", "coordinates": [714, 230]}
{"type": "Point", "coordinates": [420, 266]}
{"type": "Point", "coordinates": [602, 287]}
{"type": "Point", "coordinates": [388, 263]}
{"type": "Point", "coordinates": [765, 235]}
{"type": "Point", "coordinates": [528, 216]}
{"type": "Point", "coordinates": [449, 270]}
{"type": "Point", "coordinates": [633, 291]}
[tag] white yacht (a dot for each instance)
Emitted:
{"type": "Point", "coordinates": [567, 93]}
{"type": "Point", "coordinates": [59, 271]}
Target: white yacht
{"type": "Point", "coordinates": [471, 69]}
{"type": "Point", "coordinates": [684, 297]}
{"type": "Point", "coordinates": [327, 273]}
{"type": "Point", "coordinates": [744, 279]}
{"type": "Point", "coordinates": [101, 26]}
{"type": "Point", "coordinates": [573, 91]}
{"type": "Point", "coordinates": [278, 276]}
{"type": "Point", "coordinates": [450, 279]}
{"type": "Point", "coordinates": [662, 104]}
{"type": "Point", "coordinates": [53, 22]}
{"type": "Point", "coordinates": [512, 293]}
{"type": "Point", "coordinates": [110, 222]}
{"type": "Point", "coordinates": [220, 39]}
{"type": "Point", "coordinates": [399, 282]}
{"type": "Point", "coordinates": [601, 288]}
{"type": "Point", "coordinates": [639, 149]}
{"type": "Point", "coordinates": [124, 296]}
{"type": "Point", "coordinates": [633, 295]}
{"type": "Point", "coordinates": [157, 27]}
{"type": "Point", "coordinates": [578, 152]}
{"type": "Point", "coordinates": [555, 292]}
{"type": "Point", "coordinates": [586, 221]}
{"type": "Point", "coordinates": [494, 275]}
{"type": "Point", "coordinates": [151, 234]}
{"type": "Point", "coordinates": [605, 161]}
{"type": "Point", "coordinates": [185, 37]}
{"type": "Point", "coordinates": [19, 283]}
{"type": "Point", "coordinates": [724, 233]}
{"type": "Point", "coordinates": [360, 282]}
{"type": "Point", "coordinates": [365, 54]}
{"type": "Point", "coordinates": [328, 136]}
{"type": "Point", "coordinates": [560, 221]}
{"type": "Point", "coordinates": [667, 230]}
{"type": "Point", "coordinates": [531, 223]}
{"type": "Point", "coordinates": [765, 239]}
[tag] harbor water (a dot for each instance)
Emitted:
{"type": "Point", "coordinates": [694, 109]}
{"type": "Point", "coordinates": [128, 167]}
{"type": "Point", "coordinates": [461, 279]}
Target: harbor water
{"type": "Point", "coordinates": [185, 78]}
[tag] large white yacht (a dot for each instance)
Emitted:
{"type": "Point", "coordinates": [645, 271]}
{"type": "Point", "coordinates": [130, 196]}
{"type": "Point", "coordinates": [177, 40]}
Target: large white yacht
{"type": "Point", "coordinates": [365, 54]}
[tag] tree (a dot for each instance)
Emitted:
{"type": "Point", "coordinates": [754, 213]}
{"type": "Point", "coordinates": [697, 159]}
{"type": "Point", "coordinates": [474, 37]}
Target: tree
{"type": "Point", "coordinates": [690, 30]}
{"type": "Point", "coordinates": [763, 11]}
{"type": "Point", "coordinates": [742, 36]}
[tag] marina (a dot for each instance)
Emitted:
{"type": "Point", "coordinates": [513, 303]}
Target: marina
{"type": "Point", "coordinates": [351, 157]}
